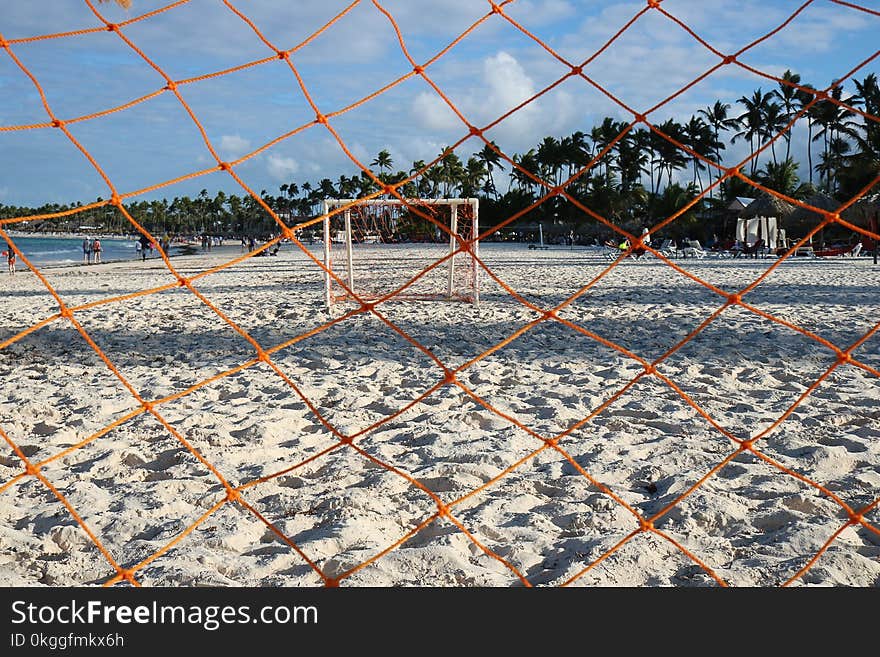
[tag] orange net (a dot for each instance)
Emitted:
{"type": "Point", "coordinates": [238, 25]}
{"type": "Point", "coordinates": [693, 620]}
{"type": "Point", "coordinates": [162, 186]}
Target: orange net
{"type": "Point", "coordinates": [521, 457]}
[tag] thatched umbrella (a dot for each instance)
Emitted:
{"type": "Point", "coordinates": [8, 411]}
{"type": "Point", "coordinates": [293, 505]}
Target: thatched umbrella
{"type": "Point", "coordinates": [802, 220]}
{"type": "Point", "coordinates": [860, 212]}
{"type": "Point", "coordinates": [768, 205]}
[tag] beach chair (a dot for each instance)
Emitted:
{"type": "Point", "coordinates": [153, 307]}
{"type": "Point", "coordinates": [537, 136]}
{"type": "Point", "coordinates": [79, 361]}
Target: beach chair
{"type": "Point", "coordinates": [694, 249]}
{"type": "Point", "coordinates": [856, 250]}
{"type": "Point", "coordinates": [610, 251]}
{"type": "Point", "coordinates": [753, 250]}
{"type": "Point", "coordinates": [668, 249]}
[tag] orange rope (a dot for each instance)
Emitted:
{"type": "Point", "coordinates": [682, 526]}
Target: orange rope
{"type": "Point", "coordinates": [357, 443]}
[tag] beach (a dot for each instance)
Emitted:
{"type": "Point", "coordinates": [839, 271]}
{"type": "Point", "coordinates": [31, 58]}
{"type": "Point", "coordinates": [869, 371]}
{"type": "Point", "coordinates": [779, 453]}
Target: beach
{"type": "Point", "coordinates": [533, 464]}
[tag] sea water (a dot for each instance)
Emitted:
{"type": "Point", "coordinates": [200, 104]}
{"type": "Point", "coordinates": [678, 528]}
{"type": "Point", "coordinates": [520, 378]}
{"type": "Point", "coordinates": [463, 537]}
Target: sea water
{"type": "Point", "coordinates": [60, 251]}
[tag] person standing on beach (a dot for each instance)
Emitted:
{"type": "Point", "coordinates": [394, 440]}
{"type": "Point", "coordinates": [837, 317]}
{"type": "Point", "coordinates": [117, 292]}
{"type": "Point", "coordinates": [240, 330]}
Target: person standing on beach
{"type": "Point", "coordinates": [87, 251]}
{"type": "Point", "coordinates": [10, 258]}
{"type": "Point", "coordinates": [96, 249]}
{"type": "Point", "coordinates": [145, 244]}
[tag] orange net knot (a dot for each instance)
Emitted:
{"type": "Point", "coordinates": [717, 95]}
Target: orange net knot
{"type": "Point", "coordinates": [551, 442]}
{"type": "Point", "coordinates": [283, 54]}
{"type": "Point", "coordinates": [148, 407]}
{"type": "Point", "coordinates": [331, 583]}
{"type": "Point", "coordinates": [856, 518]}
{"type": "Point", "coordinates": [263, 356]}
{"type": "Point", "coordinates": [127, 575]}
{"type": "Point", "coordinates": [729, 59]}
{"type": "Point", "coordinates": [475, 131]}
{"type": "Point", "coordinates": [171, 86]}
{"type": "Point", "coordinates": [820, 95]}
{"type": "Point", "coordinates": [641, 118]}
{"type": "Point", "coordinates": [733, 172]}
{"type": "Point", "coordinates": [182, 282]}
{"type": "Point", "coordinates": [31, 469]}
{"type": "Point", "coordinates": [548, 315]}
{"type": "Point", "coordinates": [3, 43]}
{"type": "Point", "coordinates": [734, 299]}
{"type": "Point", "coordinates": [496, 9]}
{"type": "Point", "coordinates": [653, 4]}
{"type": "Point", "coordinates": [844, 357]}
{"type": "Point", "coordinates": [834, 217]}
{"type": "Point", "coordinates": [577, 70]}
{"type": "Point", "coordinates": [289, 234]}
{"type": "Point", "coordinates": [320, 118]}
{"type": "Point", "coordinates": [557, 191]}
{"type": "Point", "coordinates": [346, 440]}
{"type": "Point", "coordinates": [66, 312]}
{"type": "Point", "coordinates": [112, 27]}
{"type": "Point", "coordinates": [225, 166]}
{"type": "Point", "coordinates": [232, 495]}
{"type": "Point", "coordinates": [418, 70]}
{"type": "Point", "coordinates": [448, 376]}
{"type": "Point", "coordinates": [57, 124]}
{"type": "Point", "coordinates": [388, 189]}
{"type": "Point", "coordinates": [115, 200]}
{"type": "Point", "coordinates": [442, 509]}
{"type": "Point", "coordinates": [650, 369]}
{"type": "Point", "coordinates": [746, 445]}
{"type": "Point", "coordinates": [367, 307]}
{"type": "Point", "coordinates": [645, 525]}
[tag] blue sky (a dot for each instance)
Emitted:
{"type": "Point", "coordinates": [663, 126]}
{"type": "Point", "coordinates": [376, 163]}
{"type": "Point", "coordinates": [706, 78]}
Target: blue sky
{"type": "Point", "coordinates": [491, 71]}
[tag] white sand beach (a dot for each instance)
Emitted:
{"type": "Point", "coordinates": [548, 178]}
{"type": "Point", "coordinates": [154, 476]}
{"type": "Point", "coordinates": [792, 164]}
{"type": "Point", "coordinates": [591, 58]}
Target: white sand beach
{"type": "Point", "coordinates": [519, 510]}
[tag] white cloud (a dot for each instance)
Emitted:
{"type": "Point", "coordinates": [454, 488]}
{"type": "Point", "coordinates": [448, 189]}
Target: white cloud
{"type": "Point", "coordinates": [434, 113]}
{"type": "Point", "coordinates": [233, 147]}
{"type": "Point", "coordinates": [281, 168]}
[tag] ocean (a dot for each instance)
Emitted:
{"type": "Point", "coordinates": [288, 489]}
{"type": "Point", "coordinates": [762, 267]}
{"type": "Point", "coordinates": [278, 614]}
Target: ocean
{"type": "Point", "coordinates": [60, 251]}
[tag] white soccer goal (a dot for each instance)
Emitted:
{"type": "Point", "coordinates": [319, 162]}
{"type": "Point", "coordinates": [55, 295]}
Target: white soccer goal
{"type": "Point", "coordinates": [378, 246]}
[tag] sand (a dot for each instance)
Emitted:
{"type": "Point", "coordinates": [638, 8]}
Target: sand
{"type": "Point", "coordinates": [519, 510]}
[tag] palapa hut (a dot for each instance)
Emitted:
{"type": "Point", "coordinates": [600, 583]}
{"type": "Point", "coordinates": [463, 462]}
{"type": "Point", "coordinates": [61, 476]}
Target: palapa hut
{"type": "Point", "coordinates": [801, 221]}
{"type": "Point", "coordinates": [861, 212]}
{"type": "Point", "coordinates": [865, 213]}
{"type": "Point", "coordinates": [761, 220]}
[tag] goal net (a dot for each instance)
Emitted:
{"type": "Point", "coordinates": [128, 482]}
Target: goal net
{"type": "Point", "coordinates": [417, 249]}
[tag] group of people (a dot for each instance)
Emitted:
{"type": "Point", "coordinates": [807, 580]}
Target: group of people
{"type": "Point", "coordinates": [91, 251]}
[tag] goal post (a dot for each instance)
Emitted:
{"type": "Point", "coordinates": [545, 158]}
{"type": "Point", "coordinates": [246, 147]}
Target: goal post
{"type": "Point", "coordinates": [411, 248]}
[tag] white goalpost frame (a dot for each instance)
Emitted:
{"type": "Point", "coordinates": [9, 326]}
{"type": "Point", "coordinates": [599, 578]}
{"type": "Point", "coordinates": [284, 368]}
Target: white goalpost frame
{"type": "Point", "coordinates": [454, 203]}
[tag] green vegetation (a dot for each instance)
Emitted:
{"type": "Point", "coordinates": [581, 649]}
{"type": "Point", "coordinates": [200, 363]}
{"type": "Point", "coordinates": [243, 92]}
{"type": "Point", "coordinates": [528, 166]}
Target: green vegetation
{"type": "Point", "coordinates": [636, 177]}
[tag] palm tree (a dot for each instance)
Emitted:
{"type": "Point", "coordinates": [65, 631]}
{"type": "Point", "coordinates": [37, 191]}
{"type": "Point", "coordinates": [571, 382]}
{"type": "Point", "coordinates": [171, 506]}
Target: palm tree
{"type": "Point", "coordinates": [602, 135]}
{"type": "Point", "coordinates": [788, 95]}
{"type": "Point", "coordinates": [632, 159]}
{"type": "Point", "coordinates": [780, 177]}
{"type": "Point", "coordinates": [863, 166]}
{"type": "Point", "coordinates": [774, 122]}
{"type": "Point", "coordinates": [668, 156]}
{"type": "Point", "coordinates": [550, 160]}
{"type": "Point", "coordinates": [699, 138]}
{"type": "Point", "coordinates": [525, 164]}
{"type": "Point", "coordinates": [474, 174]}
{"type": "Point", "coordinates": [383, 161]}
{"type": "Point", "coordinates": [753, 123]}
{"type": "Point", "coordinates": [450, 172]}
{"type": "Point", "coordinates": [491, 159]}
{"type": "Point", "coordinates": [717, 117]}
{"type": "Point", "coordinates": [835, 122]}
